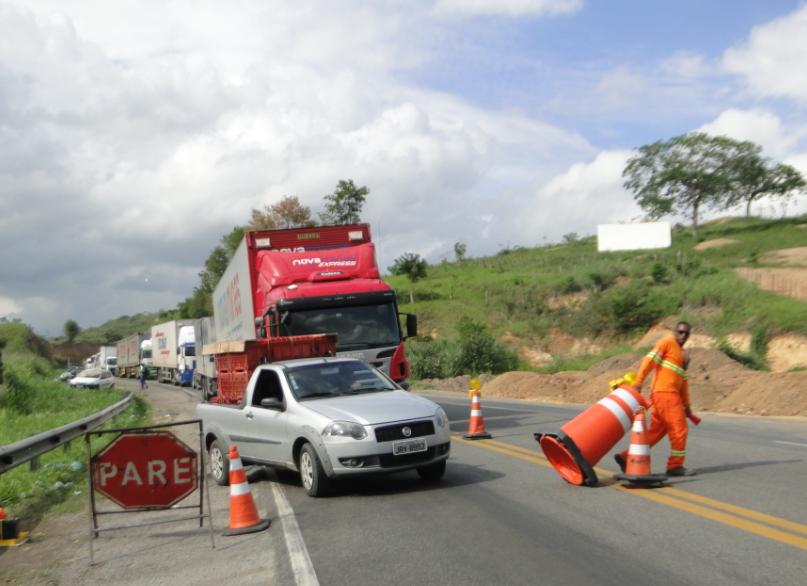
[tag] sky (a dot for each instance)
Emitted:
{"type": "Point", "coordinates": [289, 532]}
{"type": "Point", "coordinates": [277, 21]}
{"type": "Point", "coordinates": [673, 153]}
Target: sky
{"type": "Point", "coordinates": [135, 134]}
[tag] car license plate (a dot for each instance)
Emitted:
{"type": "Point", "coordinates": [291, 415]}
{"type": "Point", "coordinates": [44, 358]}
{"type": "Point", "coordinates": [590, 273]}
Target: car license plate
{"type": "Point", "coordinates": [409, 446]}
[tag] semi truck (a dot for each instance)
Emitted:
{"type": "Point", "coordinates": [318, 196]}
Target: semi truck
{"type": "Point", "coordinates": [174, 351]}
{"type": "Point", "coordinates": [318, 280]}
{"type": "Point", "coordinates": [131, 352]}
{"type": "Point", "coordinates": [204, 366]}
{"type": "Point", "coordinates": [108, 358]}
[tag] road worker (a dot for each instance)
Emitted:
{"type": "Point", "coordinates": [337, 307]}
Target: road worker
{"type": "Point", "coordinates": [670, 395]}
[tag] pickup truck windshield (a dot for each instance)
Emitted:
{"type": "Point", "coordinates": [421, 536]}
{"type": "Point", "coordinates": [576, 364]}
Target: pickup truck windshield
{"type": "Point", "coordinates": [357, 326]}
{"type": "Point", "coordinates": [335, 379]}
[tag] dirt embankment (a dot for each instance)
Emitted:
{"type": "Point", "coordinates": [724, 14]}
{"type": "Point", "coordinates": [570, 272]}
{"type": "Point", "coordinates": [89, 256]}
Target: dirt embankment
{"type": "Point", "coordinates": [717, 384]}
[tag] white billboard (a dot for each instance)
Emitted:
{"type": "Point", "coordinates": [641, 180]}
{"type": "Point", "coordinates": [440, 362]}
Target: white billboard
{"type": "Point", "coordinates": [612, 237]}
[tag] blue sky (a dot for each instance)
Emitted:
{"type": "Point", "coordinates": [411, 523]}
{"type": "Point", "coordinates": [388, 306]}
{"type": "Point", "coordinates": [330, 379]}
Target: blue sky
{"type": "Point", "coordinates": [134, 134]}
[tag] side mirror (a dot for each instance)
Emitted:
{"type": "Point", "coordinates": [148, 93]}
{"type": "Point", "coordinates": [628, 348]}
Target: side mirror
{"type": "Point", "coordinates": [411, 325]}
{"type": "Point", "coordinates": [272, 403]}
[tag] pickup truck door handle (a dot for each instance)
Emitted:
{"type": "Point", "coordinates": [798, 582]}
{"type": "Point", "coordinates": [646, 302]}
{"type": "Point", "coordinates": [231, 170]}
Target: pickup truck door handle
{"type": "Point", "coordinates": [249, 415]}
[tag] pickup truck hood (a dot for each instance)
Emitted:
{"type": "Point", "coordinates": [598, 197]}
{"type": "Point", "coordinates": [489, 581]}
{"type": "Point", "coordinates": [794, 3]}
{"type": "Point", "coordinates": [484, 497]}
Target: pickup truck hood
{"type": "Point", "coordinates": [374, 408]}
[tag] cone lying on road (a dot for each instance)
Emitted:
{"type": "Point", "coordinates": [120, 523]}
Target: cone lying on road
{"type": "Point", "coordinates": [476, 424]}
{"type": "Point", "coordinates": [244, 516]}
{"type": "Point", "coordinates": [637, 460]}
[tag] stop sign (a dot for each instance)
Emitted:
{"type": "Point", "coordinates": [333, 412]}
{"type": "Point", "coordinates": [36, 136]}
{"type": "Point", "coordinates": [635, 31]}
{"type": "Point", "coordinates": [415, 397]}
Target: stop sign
{"type": "Point", "coordinates": [139, 470]}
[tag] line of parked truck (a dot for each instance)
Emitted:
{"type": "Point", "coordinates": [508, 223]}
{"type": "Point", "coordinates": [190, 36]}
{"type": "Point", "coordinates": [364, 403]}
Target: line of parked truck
{"type": "Point", "coordinates": [280, 283]}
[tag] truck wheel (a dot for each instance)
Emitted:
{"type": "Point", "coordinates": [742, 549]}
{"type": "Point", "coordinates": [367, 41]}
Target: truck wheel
{"type": "Point", "coordinates": [432, 472]}
{"type": "Point", "coordinates": [315, 482]}
{"type": "Point", "coordinates": [219, 464]}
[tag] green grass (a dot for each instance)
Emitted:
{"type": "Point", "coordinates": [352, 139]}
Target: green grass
{"type": "Point", "coordinates": [31, 401]}
{"type": "Point", "coordinates": [627, 291]}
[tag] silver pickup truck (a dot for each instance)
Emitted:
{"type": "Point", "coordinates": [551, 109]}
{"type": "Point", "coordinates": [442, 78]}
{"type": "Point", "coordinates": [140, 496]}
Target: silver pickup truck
{"type": "Point", "coordinates": [327, 418]}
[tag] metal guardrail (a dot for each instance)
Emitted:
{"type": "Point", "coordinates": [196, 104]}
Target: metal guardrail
{"type": "Point", "coordinates": [31, 448]}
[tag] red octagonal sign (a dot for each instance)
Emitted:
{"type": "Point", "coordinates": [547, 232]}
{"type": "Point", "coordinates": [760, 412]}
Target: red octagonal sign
{"type": "Point", "coordinates": [146, 470]}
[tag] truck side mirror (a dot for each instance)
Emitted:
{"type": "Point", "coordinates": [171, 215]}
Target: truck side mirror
{"type": "Point", "coordinates": [411, 325]}
{"type": "Point", "coordinates": [272, 403]}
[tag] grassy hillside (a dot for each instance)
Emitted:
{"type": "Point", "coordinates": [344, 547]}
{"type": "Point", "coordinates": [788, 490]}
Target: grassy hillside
{"type": "Point", "coordinates": [113, 330]}
{"type": "Point", "coordinates": [530, 294]}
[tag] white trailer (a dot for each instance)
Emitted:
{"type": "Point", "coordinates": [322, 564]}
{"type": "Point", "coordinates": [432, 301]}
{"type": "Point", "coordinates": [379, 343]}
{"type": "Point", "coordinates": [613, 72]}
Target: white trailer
{"type": "Point", "coordinates": [108, 358]}
{"type": "Point", "coordinates": [132, 351]}
{"type": "Point", "coordinates": [204, 371]}
{"type": "Point", "coordinates": [174, 351]}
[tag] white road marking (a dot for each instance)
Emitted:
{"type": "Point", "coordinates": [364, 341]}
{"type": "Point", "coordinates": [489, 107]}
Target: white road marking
{"type": "Point", "coordinates": [304, 574]}
{"type": "Point", "coordinates": [790, 443]}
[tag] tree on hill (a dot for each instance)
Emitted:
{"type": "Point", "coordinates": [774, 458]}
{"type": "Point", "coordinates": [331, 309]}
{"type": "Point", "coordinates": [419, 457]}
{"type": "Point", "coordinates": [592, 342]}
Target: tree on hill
{"type": "Point", "coordinates": [759, 177]}
{"type": "Point", "coordinates": [410, 264]}
{"type": "Point", "coordinates": [689, 173]}
{"type": "Point", "coordinates": [344, 205]}
{"type": "Point", "coordinates": [459, 251]}
{"type": "Point", "coordinates": [71, 329]}
{"type": "Point", "coordinates": [287, 213]}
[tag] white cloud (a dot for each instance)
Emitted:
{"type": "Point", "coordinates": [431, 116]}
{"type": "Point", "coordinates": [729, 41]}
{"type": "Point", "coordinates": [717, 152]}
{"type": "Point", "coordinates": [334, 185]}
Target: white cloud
{"type": "Point", "coordinates": [134, 139]}
{"type": "Point", "coordinates": [511, 8]}
{"type": "Point", "coordinates": [584, 195]}
{"type": "Point", "coordinates": [760, 126]}
{"type": "Point", "coordinates": [686, 64]}
{"type": "Point", "coordinates": [620, 85]}
{"type": "Point", "coordinates": [8, 307]}
{"type": "Point", "coordinates": [772, 59]}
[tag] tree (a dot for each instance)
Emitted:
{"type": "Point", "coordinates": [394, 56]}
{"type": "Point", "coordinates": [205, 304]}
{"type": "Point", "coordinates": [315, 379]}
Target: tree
{"type": "Point", "coordinates": [757, 177]}
{"type": "Point", "coordinates": [686, 174]}
{"type": "Point", "coordinates": [71, 329]}
{"type": "Point", "coordinates": [459, 251]}
{"type": "Point", "coordinates": [410, 264]}
{"type": "Point", "coordinates": [287, 213]}
{"type": "Point", "coordinates": [344, 204]}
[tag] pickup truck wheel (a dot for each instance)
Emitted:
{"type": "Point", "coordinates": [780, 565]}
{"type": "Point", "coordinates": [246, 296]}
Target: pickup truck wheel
{"type": "Point", "coordinates": [219, 464]}
{"type": "Point", "coordinates": [432, 472]}
{"type": "Point", "coordinates": [315, 482]}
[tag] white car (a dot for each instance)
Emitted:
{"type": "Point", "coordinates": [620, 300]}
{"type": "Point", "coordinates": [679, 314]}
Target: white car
{"type": "Point", "coordinates": [328, 418]}
{"type": "Point", "coordinates": [93, 378]}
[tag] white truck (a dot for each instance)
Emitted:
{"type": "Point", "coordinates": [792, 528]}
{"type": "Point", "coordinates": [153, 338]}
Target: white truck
{"type": "Point", "coordinates": [204, 370]}
{"type": "Point", "coordinates": [132, 351]}
{"type": "Point", "coordinates": [174, 351]}
{"type": "Point", "coordinates": [108, 358]}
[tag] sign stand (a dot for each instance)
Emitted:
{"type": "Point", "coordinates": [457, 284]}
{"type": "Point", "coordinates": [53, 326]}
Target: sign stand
{"type": "Point", "coordinates": [124, 473]}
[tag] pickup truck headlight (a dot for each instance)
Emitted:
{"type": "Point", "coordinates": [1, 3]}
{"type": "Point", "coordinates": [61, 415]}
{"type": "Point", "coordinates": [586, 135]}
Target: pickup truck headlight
{"type": "Point", "coordinates": [345, 429]}
{"type": "Point", "coordinates": [441, 417]}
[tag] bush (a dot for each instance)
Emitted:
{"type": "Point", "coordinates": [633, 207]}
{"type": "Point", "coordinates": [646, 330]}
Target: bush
{"type": "Point", "coordinates": [569, 285]}
{"type": "Point", "coordinates": [633, 307]}
{"type": "Point", "coordinates": [474, 351]}
{"type": "Point", "coordinates": [659, 273]}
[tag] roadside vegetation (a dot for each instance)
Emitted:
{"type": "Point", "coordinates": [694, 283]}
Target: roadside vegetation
{"type": "Point", "coordinates": [527, 294]}
{"type": "Point", "coordinates": [33, 401]}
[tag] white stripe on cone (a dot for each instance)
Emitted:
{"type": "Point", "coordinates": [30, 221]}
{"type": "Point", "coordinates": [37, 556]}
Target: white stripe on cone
{"type": "Point", "coordinates": [239, 489]}
{"type": "Point", "coordinates": [639, 450]}
{"type": "Point", "coordinates": [617, 410]}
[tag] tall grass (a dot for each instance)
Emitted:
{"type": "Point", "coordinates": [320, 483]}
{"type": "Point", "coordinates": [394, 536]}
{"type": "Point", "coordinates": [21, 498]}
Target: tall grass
{"type": "Point", "coordinates": [32, 402]}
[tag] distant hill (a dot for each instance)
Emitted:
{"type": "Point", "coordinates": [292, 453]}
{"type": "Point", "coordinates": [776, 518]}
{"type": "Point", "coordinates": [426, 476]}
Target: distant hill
{"type": "Point", "coordinates": [113, 330]}
{"type": "Point", "coordinates": [569, 300]}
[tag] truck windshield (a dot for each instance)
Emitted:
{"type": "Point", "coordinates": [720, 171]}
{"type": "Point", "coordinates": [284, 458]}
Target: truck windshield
{"type": "Point", "coordinates": [335, 379]}
{"type": "Point", "coordinates": [357, 326]}
{"type": "Point", "coordinates": [147, 353]}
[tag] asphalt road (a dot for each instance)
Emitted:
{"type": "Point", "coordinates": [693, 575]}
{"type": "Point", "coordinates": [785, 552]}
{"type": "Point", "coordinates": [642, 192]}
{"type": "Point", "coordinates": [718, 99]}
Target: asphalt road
{"type": "Point", "coordinates": [500, 516]}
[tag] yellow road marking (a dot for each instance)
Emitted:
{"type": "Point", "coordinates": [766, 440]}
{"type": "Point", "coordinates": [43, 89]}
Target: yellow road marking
{"type": "Point", "coordinates": [675, 498]}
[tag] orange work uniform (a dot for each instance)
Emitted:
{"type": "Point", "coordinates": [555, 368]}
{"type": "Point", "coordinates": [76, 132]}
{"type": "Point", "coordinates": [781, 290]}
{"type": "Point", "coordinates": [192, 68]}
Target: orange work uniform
{"type": "Point", "coordinates": [670, 395]}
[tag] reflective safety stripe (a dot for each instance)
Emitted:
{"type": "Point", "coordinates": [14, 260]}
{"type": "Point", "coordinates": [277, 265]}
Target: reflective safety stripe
{"type": "Point", "coordinates": [239, 489]}
{"type": "Point", "coordinates": [476, 413]}
{"type": "Point", "coordinates": [652, 355]}
{"type": "Point", "coordinates": [236, 464]}
{"type": "Point", "coordinates": [674, 367]}
{"type": "Point", "coordinates": [628, 398]}
{"type": "Point", "coordinates": [639, 450]}
{"type": "Point", "coordinates": [678, 452]}
{"type": "Point", "coordinates": [618, 411]}
{"type": "Point", "coordinates": [638, 425]}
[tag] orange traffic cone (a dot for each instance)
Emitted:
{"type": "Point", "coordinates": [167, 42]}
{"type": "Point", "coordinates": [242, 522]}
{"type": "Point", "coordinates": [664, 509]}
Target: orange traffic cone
{"type": "Point", "coordinates": [244, 516]}
{"type": "Point", "coordinates": [476, 424]}
{"type": "Point", "coordinates": [637, 469]}
{"type": "Point", "coordinates": [10, 534]}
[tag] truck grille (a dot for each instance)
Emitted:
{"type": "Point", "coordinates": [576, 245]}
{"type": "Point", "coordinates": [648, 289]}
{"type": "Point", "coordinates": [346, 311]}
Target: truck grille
{"type": "Point", "coordinates": [390, 433]}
